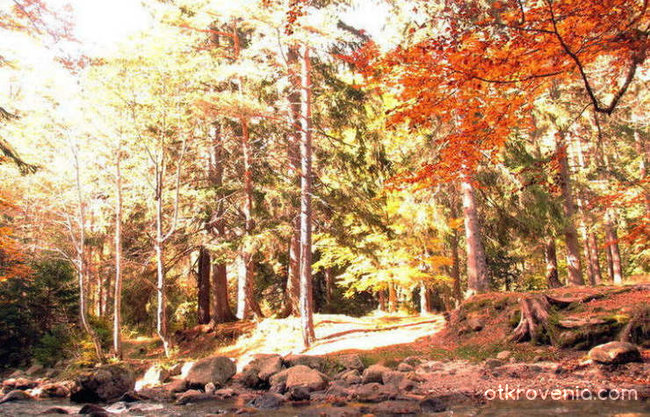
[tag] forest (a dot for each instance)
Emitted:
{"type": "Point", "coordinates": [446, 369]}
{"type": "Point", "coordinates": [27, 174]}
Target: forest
{"type": "Point", "coordinates": [181, 176]}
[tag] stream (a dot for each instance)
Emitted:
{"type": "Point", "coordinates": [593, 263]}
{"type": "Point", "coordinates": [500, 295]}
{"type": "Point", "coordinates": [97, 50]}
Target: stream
{"type": "Point", "coordinates": [495, 408]}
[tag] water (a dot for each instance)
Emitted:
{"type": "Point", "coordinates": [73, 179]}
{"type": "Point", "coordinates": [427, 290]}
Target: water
{"type": "Point", "coordinates": [493, 409]}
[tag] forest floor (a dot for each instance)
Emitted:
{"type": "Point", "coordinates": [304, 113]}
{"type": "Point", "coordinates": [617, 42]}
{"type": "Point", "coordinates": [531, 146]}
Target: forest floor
{"type": "Point", "coordinates": [390, 338]}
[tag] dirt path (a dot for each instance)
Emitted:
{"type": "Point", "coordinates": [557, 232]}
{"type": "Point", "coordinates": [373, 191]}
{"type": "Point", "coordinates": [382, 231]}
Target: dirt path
{"type": "Point", "coordinates": [334, 333]}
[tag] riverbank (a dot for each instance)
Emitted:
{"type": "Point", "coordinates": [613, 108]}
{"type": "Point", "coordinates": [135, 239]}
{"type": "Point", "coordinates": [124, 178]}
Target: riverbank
{"type": "Point", "coordinates": [394, 365]}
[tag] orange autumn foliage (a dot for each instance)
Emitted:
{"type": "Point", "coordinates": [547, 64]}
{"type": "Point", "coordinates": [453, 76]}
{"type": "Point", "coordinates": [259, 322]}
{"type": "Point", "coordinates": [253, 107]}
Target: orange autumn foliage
{"type": "Point", "coordinates": [476, 69]}
{"type": "Point", "coordinates": [12, 258]}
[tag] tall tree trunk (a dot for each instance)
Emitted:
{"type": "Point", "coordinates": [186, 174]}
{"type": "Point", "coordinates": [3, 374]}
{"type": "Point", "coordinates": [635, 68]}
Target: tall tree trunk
{"type": "Point", "coordinates": [329, 285]}
{"type": "Point", "coordinates": [82, 268]}
{"type": "Point", "coordinates": [550, 255]}
{"type": "Point", "coordinates": [381, 295]}
{"type": "Point", "coordinates": [221, 311]}
{"type": "Point", "coordinates": [613, 248]}
{"type": "Point", "coordinates": [643, 149]}
{"type": "Point", "coordinates": [117, 297]}
{"type": "Point", "coordinates": [455, 266]}
{"type": "Point", "coordinates": [611, 239]}
{"type": "Point", "coordinates": [203, 285]}
{"type": "Point", "coordinates": [161, 290]}
{"type": "Point", "coordinates": [292, 294]}
{"type": "Point", "coordinates": [597, 277]}
{"type": "Point", "coordinates": [247, 305]}
{"type": "Point", "coordinates": [477, 278]}
{"type": "Point", "coordinates": [392, 297]}
{"type": "Point", "coordinates": [425, 300]}
{"type": "Point", "coordinates": [570, 234]}
{"type": "Point", "coordinates": [306, 302]}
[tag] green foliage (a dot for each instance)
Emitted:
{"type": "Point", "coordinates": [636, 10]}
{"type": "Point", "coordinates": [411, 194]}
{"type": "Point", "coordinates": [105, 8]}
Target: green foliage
{"type": "Point", "coordinates": [54, 346]}
{"type": "Point", "coordinates": [34, 311]}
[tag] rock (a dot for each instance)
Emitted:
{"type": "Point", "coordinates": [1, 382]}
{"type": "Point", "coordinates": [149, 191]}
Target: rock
{"type": "Point", "coordinates": [93, 411]}
{"type": "Point", "coordinates": [225, 393]}
{"type": "Point", "coordinates": [392, 377]}
{"type": "Point", "coordinates": [34, 369]}
{"type": "Point", "coordinates": [266, 365]}
{"type": "Point", "coordinates": [103, 384]}
{"type": "Point", "coordinates": [313, 362]}
{"type": "Point", "coordinates": [374, 393]}
{"type": "Point", "coordinates": [155, 375]}
{"type": "Point", "coordinates": [329, 411]}
{"type": "Point", "coordinates": [351, 361]}
{"type": "Point", "coordinates": [19, 383]}
{"type": "Point", "coordinates": [299, 393]}
{"type": "Point", "coordinates": [492, 363]}
{"type": "Point", "coordinates": [53, 390]}
{"type": "Point", "coordinates": [269, 367]}
{"type": "Point", "coordinates": [210, 388]}
{"type": "Point", "coordinates": [504, 355]}
{"type": "Point", "coordinates": [15, 395]}
{"type": "Point", "coordinates": [132, 397]}
{"type": "Point", "coordinates": [475, 324]}
{"type": "Point", "coordinates": [193, 396]}
{"type": "Point", "coordinates": [396, 408]}
{"type": "Point", "coordinates": [217, 369]}
{"type": "Point", "coordinates": [302, 376]}
{"type": "Point", "coordinates": [374, 373]}
{"type": "Point", "coordinates": [56, 410]}
{"type": "Point", "coordinates": [433, 405]}
{"type": "Point", "coordinates": [405, 367]}
{"type": "Point", "coordinates": [268, 401]}
{"type": "Point", "coordinates": [176, 385]}
{"type": "Point", "coordinates": [351, 376]}
{"type": "Point", "coordinates": [615, 353]}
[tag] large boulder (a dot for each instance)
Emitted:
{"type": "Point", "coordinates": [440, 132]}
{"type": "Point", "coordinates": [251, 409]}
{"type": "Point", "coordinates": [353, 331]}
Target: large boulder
{"type": "Point", "coordinates": [216, 369]}
{"type": "Point", "coordinates": [299, 376]}
{"type": "Point", "coordinates": [103, 384]}
{"type": "Point", "coordinates": [15, 395]}
{"type": "Point", "coordinates": [615, 353]}
{"type": "Point", "coordinates": [258, 372]}
{"type": "Point", "coordinates": [313, 362]}
{"type": "Point", "coordinates": [374, 373]}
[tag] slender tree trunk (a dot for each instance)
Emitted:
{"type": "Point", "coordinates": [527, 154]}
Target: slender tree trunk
{"type": "Point", "coordinates": [392, 298]}
{"type": "Point", "coordinates": [221, 311]}
{"type": "Point", "coordinates": [306, 307]}
{"type": "Point", "coordinates": [455, 266]}
{"type": "Point", "coordinates": [613, 248]}
{"type": "Point", "coordinates": [381, 295]}
{"type": "Point", "coordinates": [82, 267]}
{"type": "Point", "coordinates": [117, 297]}
{"type": "Point", "coordinates": [161, 291]}
{"type": "Point", "coordinates": [643, 148]}
{"type": "Point", "coordinates": [571, 236]}
{"type": "Point", "coordinates": [611, 239]}
{"type": "Point", "coordinates": [477, 279]}
{"type": "Point", "coordinates": [246, 303]}
{"type": "Point", "coordinates": [329, 285]}
{"type": "Point", "coordinates": [292, 295]}
{"type": "Point", "coordinates": [595, 262]}
{"type": "Point", "coordinates": [425, 300]}
{"type": "Point", "coordinates": [203, 285]}
{"type": "Point", "coordinates": [550, 255]}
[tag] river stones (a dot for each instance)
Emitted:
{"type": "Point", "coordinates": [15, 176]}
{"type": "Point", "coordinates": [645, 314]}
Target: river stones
{"type": "Point", "coordinates": [374, 373]}
{"type": "Point", "coordinates": [615, 353]}
{"type": "Point", "coordinates": [298, 376]}
{"type": "Point", "coordinates": [216, 369]}
{"type": "Point", "coordinates": [268, 401]}
{"type": "Point", "coordinates": [15, 395]}
{"type": "Point", "coordinates": [103, 384]}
